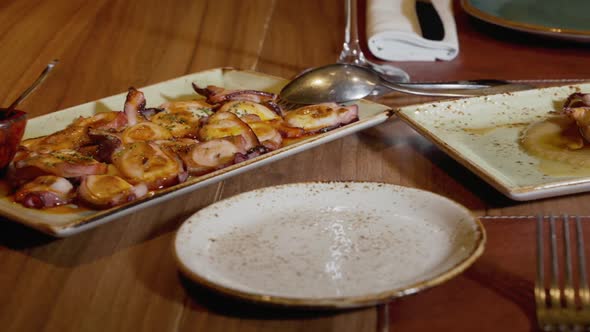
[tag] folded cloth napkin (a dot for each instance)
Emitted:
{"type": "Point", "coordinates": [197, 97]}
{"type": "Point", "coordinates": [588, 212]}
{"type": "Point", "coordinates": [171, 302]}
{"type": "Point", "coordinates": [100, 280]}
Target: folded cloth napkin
{"type": "Point", "coordinates": [394, 31]}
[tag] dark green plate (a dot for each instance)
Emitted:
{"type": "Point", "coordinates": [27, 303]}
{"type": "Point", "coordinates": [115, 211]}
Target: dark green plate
{"type": "Point", "coordinates": [567, 19]}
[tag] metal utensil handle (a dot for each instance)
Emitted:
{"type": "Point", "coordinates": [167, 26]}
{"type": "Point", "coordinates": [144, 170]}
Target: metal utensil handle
{"type": "Point", "coordinates": [39, 80]}
{"type": "Point", "coordinates": [455, 92]}
{"type": "Point", "coordinates": [425, 92]}
{"type": "Point", "coordinates": [448, 85]}
{"type": "Point", "coordinates": [484, 83]}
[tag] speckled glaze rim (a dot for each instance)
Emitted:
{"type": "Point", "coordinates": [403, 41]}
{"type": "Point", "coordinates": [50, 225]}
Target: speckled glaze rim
{"type": "Point", "coordinates": [341, 302]}
{"type": "Point", "coordinates": [526, 27]}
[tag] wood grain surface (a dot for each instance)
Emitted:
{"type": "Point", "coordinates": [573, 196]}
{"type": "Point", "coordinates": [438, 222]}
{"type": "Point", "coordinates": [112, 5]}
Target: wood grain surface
{"type": "Point", "coordinates": [122, 276]}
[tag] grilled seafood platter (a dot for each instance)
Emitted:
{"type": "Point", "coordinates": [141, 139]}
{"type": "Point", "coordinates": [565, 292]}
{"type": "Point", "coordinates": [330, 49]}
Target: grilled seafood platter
{"type": "Point", "coordinates": [116, 157]}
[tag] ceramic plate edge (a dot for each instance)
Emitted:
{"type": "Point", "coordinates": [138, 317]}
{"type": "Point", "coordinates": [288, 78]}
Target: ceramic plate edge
{"type": "Point", "coordinates": [578, 35]}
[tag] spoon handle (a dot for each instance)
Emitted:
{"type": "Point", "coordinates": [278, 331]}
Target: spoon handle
{"type": "Point", "coordinates": [453, 91]}
{"type": "Point", "coordinates": [39, 80]}
{"type": "Point", "coordinates": [452, 85]}
{"type": "Point", "coordinates": [426, 92]}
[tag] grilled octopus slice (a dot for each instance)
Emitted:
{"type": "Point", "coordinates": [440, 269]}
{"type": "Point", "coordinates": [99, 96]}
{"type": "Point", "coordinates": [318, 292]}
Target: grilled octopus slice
{"type": "Point", "coordinates": [216, 95]}
{"type": "Point", "coordinates": [177, 146]}
{"type": "Point", "coordinates": [104, 191]}
{"type": "Point", "coordinates": [146, 162]}
{"type": "Point", "coordinates": [577, 107]}
{"type": "Point", "coordinates": [45, 191]}
{"type": "Point", "coordinates": [266, 131]}
{"type": "Point", "coordinates": [134, 105]}
{"type": "Point", "coordinates": [69, 138]}
{"type": "Point", "coordinates": [226, 124]}
{"type": "Point", "coordinates": [106, 142]}
{"type": "Point", "coordinates": [76, 136]}
{"type": "Point", "coordinates": [244, 107]}
{"type": "Point", "coordinates": [321, 117]}
{"type": "Point", "coordinates": [182, 118]}
{"type": "Point", "coordinates": [63, 163]}
{"type": "Point", "coordinates": [262, 119]}
{"type": "Point", "coordinates": [103, 121]}
{"type": "Point", "coordinates": [145, 131]}
{"type": "Point", "coordinates": [199, 108]}
{"type": "Point", "coordinates": [204, 157]}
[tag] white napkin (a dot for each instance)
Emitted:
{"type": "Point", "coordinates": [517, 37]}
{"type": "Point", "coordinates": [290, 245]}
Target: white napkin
{"type": "Point", "coordinates": [394, 31]}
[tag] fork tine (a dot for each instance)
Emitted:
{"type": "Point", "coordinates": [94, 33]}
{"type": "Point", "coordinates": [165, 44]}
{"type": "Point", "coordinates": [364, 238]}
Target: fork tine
{"type": "Point", "coordinates": [540, 293]}
{"type": "Point", "coordinates": [583, 292]}
{"type": "Point", "coordinates": [561, 313]}
{"type": "Point", "coordinates": [287, 106]}
{"type": "Point", "coordinates": [568, 290]}
{"type": "Point", "coordinates": [554, 292]}
{"type": "Point", "coordinates": [540, 260]}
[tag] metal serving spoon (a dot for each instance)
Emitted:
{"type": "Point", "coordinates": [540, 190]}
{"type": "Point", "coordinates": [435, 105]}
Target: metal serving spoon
{"type": "Point", "coordinates": [345, 82]}
{"type": "Point", "coordinates": [13, 123]}
{"type": "Point", "coordinates": [6, 112]}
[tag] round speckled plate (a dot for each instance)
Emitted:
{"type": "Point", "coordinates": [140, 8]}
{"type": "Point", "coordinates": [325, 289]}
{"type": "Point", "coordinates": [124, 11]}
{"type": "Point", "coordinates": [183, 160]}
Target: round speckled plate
{"type": "Point", "coordinates": [328, 245]}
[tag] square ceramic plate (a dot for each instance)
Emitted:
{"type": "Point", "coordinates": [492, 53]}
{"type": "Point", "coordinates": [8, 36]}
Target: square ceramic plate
{"type": "Point", "coordinates": [482, 134]}
{"type": "Point", "coordinates": [65, 224]}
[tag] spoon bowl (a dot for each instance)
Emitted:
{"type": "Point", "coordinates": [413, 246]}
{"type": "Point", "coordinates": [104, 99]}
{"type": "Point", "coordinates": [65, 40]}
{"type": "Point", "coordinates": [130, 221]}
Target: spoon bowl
{"type": "Point", "coordinates": [345, 82]}
{"type": "Point", "coordinates": [336, 82]}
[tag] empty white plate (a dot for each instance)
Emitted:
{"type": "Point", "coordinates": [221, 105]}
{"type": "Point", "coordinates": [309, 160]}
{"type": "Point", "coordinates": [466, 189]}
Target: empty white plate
{"type": "Point", "coordinates": [331, 245]}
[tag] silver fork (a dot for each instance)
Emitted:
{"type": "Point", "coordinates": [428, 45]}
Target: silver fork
{"type": "Point", "coordinates": [564, 308]}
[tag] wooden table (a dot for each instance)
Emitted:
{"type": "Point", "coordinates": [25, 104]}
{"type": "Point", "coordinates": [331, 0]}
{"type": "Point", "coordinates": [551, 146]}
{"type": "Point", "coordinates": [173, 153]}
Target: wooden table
{"type": "Point", "coordinates": [122, 276]}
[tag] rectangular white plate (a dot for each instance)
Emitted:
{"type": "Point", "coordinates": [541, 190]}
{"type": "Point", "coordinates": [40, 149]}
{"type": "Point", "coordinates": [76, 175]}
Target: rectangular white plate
{"type": "Point", "coordinates": [482, 134]}
{"type": "Point", "coordinates": [65, 224]}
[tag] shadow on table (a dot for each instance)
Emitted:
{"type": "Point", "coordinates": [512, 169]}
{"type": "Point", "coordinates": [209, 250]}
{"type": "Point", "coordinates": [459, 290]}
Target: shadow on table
{"type": "Point", "coordinates": [506, 284]}
{"type": "Point", "coordinates": [494, 294]}
{"type": "Point", "coordinates": [205, 299]}
{"type": "Point", "coordinates": [94, 244]}
{"type": "Point", "coordinates": [407, 313]}
{"type": "Point", "coordinates": [18, 237]}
